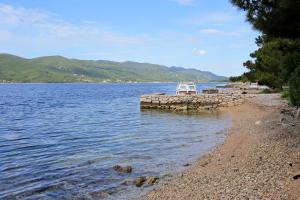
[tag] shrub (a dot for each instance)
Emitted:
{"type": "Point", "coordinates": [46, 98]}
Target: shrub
{"type": "Point", "coordinates": [294, 87]}
{"type": "Point", "coordinates": [285, 95]}
{"type": "Point", "coordinates": [267, 91]}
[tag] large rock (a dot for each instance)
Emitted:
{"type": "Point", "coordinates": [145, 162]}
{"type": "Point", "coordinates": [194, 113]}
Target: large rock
{"type": "Point", "coordinates": [126, 169]}
{"type": "Point", "coordinates": [139, 181]}
{"type": "Point", "coordinates": [151, 180]}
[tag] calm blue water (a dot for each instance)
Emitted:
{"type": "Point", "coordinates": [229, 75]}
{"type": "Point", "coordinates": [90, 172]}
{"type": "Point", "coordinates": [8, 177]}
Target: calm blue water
{"type": "Point", "coordinates": [60, 141]}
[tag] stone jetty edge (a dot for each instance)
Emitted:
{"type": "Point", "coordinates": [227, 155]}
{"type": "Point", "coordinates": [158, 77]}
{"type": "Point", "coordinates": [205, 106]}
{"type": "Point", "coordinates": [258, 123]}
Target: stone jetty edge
{"type": "Point", "coordinates": [224, 98]}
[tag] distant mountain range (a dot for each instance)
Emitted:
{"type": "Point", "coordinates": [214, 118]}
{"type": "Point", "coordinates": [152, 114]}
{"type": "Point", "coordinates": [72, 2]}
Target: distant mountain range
{"type": "Point", "coordinates": [61, 69]}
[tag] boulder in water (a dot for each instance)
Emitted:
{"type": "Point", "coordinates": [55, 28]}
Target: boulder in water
{"type": "Point", "coordinates": [151, 180]}
{"type": "Point", "coordinates": [126, 169]}
{"type": "Point", "coordinates": [139, 181]}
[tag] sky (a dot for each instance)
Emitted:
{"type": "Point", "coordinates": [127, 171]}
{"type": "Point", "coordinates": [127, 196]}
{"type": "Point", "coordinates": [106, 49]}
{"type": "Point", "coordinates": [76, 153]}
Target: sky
{"type": "Point", "coordinates": [202, 34]}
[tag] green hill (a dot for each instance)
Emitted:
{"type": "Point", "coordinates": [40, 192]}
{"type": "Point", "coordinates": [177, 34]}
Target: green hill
{"type": "Point", "coordinates": [61, 69]}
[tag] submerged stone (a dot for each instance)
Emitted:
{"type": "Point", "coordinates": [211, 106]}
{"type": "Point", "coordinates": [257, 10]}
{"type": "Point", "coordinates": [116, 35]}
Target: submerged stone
{"type": "Point", "coordinates": [151, 180]}
{"type": "Point", "coordinates": [139, 181]}
{"type": "Point", "coordinates": [125, 169]}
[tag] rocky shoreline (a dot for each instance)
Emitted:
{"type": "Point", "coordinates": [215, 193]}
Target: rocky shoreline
{"type": "Point", "coordinates": [260, 158]}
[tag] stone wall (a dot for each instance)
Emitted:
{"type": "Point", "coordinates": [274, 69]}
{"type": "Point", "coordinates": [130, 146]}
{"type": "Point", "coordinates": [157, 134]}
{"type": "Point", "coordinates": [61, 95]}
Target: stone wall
{"type": "Point", "coordinates": [192, 102]}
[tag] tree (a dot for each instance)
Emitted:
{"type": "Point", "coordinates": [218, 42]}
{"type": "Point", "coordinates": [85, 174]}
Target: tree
{"type": "Point", "coordinates": [243, 78]}
{"type": "Point", "coordinates": [276, 18]}
{"type": "Point", "coordinates": [271, 63]}
{"type": "Point", "coordinates": [277, 60]}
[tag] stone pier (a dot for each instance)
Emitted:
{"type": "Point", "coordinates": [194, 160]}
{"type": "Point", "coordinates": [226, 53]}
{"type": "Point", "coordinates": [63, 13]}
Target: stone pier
{"type": "Point", "coordinates": [224, 98]}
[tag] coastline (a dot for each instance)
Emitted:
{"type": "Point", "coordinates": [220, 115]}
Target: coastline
{"type": "Point", "coordinates": [112, 82]}
{"type": "Point", "coordinates": [259, 158]}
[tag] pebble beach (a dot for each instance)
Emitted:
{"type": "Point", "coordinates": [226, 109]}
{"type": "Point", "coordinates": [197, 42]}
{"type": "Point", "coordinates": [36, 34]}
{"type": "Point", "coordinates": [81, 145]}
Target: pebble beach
{"type": "Point", "coordinates": [259, 159]}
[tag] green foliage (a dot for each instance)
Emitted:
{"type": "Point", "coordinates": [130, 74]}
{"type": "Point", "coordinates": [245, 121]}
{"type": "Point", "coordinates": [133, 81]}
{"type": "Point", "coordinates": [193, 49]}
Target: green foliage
{"type": "Point", "coordinates": [285, 94]}
{"type": "Point", "coordinates": [294, 87]}
{"type": "Point", "coordinates": [243, 78]}
{"type": "Point", "coordinates": [60, 69]}
{"type": "Point", "coordinates": [277, 60]}
{"type": "Point", "coordinates": [269, 79]}
{"type": "Point", "coordinates": [276, 18]}
{"type": "Point", "coordinates": [292, 60]}
{"type": "Point", "coordinates": [267, 64]}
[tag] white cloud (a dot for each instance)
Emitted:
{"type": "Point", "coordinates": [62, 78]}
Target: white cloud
{"type": "Point", "coordinates": [10, 15]}
{"type": "Point", "coordinates": [216, 18]}
{"type": "Point", "coordinates": [213, 31]}
{"type": "Point", "coordinates": [199, 52]}
{"type": "Point", "coordinates": [21, 22]}
{"type": "Point", "coordinates": [185, 2]}
{"type": "Point", "coordinates": [210, 31]}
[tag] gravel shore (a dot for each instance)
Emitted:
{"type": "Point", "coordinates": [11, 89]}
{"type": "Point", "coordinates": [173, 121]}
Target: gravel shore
{"type": "Point", "coordinates": [260, 158]}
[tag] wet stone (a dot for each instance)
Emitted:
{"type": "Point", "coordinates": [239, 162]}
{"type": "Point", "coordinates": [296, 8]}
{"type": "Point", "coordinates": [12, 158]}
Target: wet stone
{"type": "Point", "coordinates": [125, 169]}
{"type": "Point", "coordinates": [139, 181]}
{"type": "Point", "coordinates": [152, 180]}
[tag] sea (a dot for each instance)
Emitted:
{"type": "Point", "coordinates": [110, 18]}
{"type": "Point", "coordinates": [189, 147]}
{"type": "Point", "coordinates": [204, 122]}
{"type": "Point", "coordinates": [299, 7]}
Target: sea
{"type": "Point", "coordinates": [61, 141]}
